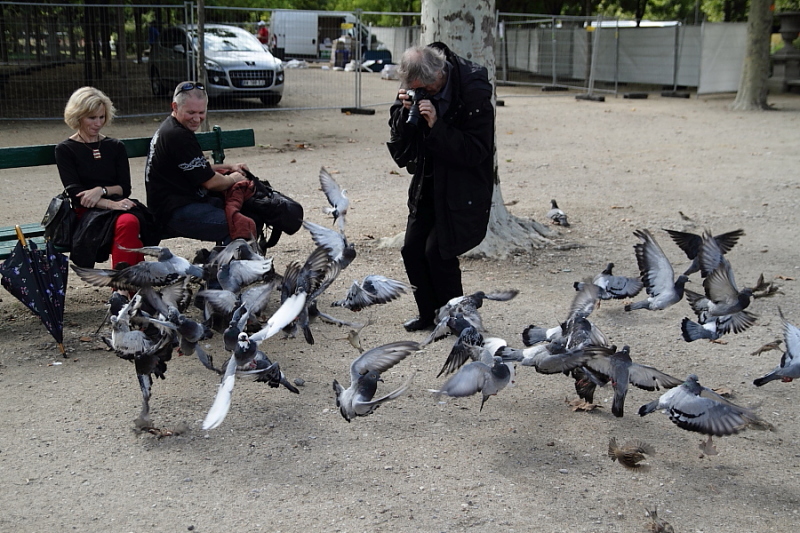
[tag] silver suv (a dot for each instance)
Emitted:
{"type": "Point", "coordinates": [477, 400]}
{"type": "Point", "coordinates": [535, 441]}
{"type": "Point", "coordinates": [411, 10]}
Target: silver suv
{"type": "Point", "coordinates": [237, 64]}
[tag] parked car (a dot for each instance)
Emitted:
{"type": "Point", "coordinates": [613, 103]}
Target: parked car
{"type": "Point", "coordinates": [237, 64]}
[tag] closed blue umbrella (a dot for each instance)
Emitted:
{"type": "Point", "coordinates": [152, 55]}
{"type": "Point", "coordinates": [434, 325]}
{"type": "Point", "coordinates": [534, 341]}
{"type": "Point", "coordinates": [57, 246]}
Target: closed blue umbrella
{"type": "Point", "coordinates": [38, 278]}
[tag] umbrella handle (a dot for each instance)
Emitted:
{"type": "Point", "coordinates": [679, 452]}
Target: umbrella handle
{"type": "Point", "coordinates": [20, 235]}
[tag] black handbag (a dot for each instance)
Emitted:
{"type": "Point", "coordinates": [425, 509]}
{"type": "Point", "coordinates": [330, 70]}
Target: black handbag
{"type": "Point", "coordinates": [60, 221]}
{"type": "Point", "coordinates": [273, 209]}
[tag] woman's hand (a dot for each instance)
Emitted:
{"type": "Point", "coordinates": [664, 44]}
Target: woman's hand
{"type": "Point", "coordinates": [90, 197]}
{"type": "Point", "coordinates": [122, 205]}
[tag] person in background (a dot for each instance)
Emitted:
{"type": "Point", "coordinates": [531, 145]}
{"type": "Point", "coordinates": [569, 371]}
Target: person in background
{"type": "Point", "coordinates": [95, 173]}
{"type": "Point", "coordinates": [263, 32]}
{"type": "Point", "coordinates": [449, 150]}
{"type": "Point", "coordinates": [181, 183]}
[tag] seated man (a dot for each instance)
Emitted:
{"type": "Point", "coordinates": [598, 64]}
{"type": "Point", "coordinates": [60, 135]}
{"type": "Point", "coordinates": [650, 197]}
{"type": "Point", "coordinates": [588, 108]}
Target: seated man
{"type": "Point", "coordinates": [179, 179]}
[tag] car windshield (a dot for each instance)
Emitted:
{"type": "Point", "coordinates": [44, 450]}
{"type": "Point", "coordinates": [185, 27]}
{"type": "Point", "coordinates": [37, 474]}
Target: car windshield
{"type": "Point", "coordinates": [229, 40]}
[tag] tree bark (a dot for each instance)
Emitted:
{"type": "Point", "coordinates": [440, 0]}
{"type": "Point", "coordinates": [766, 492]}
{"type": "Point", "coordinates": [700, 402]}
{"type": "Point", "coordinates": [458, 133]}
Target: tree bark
{"type": "Point", "coordinates": [752, 94]}
{"type": "Point", "coordinates": [468, 28]}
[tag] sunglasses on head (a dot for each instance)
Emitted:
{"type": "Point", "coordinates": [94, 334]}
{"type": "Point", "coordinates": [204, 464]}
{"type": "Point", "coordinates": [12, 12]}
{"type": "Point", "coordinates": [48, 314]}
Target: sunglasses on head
{"type": "Point", "coordinates": [188, 86]}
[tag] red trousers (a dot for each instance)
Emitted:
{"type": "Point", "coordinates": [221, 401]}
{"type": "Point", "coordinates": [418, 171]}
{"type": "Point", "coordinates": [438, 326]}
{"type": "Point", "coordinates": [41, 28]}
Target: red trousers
{"type": "Point", "coordinates": [126, 233]}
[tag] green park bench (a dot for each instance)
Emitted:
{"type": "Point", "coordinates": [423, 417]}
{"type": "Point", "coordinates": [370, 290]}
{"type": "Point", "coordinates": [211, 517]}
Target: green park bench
{"type": "Point", "coordinates": [215, 141]}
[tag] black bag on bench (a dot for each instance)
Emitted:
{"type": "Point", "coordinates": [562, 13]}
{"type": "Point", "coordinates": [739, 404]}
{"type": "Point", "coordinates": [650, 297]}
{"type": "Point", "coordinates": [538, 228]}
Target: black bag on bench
{"type": "Point", "coordinates": [60, 221]}
{"type": "Point", "coordinates": [273, 209]}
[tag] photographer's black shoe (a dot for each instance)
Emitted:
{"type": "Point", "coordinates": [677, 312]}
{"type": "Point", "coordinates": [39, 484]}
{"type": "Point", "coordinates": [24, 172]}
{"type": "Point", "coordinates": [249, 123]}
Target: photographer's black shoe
{"type": "Point", "coordinates": [417, 324]}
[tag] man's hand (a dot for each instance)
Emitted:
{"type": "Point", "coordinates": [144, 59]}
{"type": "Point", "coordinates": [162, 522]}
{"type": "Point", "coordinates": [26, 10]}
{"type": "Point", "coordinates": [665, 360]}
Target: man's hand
{"type": "Point", "coordinates": [428, 110]}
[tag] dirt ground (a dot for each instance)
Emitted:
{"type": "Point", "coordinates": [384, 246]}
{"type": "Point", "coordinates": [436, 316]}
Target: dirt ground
{"type": "Point", "coordinates": [70, 459]}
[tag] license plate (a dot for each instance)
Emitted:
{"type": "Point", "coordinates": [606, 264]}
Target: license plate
{"type": "Point", "coordinates": [253, 83]}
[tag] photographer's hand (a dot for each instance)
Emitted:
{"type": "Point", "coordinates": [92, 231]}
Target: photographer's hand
{"type": "Point", "coordinates": [428, 110]}
{"type": "Point", "coordinates": [403, 97]}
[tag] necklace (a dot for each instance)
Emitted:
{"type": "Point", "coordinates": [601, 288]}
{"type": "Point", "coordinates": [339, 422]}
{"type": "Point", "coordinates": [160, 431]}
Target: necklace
{"type": "Point", "coordinates": [95, 151]}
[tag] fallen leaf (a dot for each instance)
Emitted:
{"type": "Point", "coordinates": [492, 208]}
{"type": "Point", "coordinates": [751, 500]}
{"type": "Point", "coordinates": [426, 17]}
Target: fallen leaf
{"type": "Point", "coordinates": [512, 202]}
{"type": "Point", "coordinates": [784, 278]}
{"type": "Point", "coordinates": [85, 339]}
{"type": "Point", "coordinates": [293, 161]}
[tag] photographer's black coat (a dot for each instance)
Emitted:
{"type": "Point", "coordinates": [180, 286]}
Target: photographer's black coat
{"type": "Point", "coordinates": [461, 148]}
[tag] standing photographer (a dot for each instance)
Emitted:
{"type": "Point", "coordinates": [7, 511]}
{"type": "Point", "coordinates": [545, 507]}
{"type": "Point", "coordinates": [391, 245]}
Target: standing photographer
{"type": "Point", "coordinates": [442, 132]}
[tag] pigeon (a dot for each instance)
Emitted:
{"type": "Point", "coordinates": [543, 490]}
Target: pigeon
{"type": "Point", "coordinates": [532, 334]}
{"type": "Point", "coordinates": [467, 306]}
{"type": "Point", "coordinates": [722, 299]}
{"type": "Point", "coordinates": [691, 245]}
{"type": "Point", "coordinates": [373, 289]}
{"type": "Point", "coordinates": [336, 197]}
{"type": "Point", "coordinates": [238, 273]}
{"type": "Point", "coordinates": [245, 359]}
{"type": "Point", "coordinates": [630, 454]}
{"type": "Point", "coordinates": [365, 373]}
{"type": "Point", "coordinates": [556, 215]}
{"type": "Point", "coordinates": [167, 269]}
{"type": "Point", "coordinates": [306, 282]}
{"type": "Point", "coordinates": [486, 376]}
{"type": "Point", "coordinates": [148, 353]}
{"type": "Point", "coordinates": [614, 287]}
{"type": "Point", "coordinates": [696, 408]}
{"type": "Point", "coordinates": [340, 250]}
{"type": "Point", "coordinates": [551, 358]}
{"type": "Point", "coordinates": [789, 367]}
{"type": "Point", "coordinates": [468, 345]}
{"type": "Point", "coordinates": [657, 275]}
{"type": "Point", "coordinates": [617, 367]}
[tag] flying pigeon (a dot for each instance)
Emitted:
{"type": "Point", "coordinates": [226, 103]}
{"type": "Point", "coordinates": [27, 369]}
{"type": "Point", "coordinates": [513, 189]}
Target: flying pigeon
{"type": "Point", "coordinates": [486, 376]}
{"type": "Point", "coordinates": [340, 250]}
{"type": "Point", "coordinates": [789, 367]}
{"type": "Point", "coordinates": [373, 289]}
{"type": "Point", "coordinates": [550, 358]}
{"type": "Point", "coordinates": [336, 197]}
{"type": "Point", "coordinates": [657, 275]}
{"type": "Point", "coordinates": [556, 215]}
{"type": "Point", "coordinates": [365, 373]}
{"type": "Point", "coordinates": [614, 287]}
{"type": "Point", "coordinates": [167, 269]}
{"type": "Point", "coordinates": [245, 359]}
{"type": "Point", "coordinates": [691, 245]}
{"type": "Point", "coordinates": [467, 306]}
{"type": "Point", "coordinates": [696, 408]}
{"type": "Point", "coordinates": [617, 367]}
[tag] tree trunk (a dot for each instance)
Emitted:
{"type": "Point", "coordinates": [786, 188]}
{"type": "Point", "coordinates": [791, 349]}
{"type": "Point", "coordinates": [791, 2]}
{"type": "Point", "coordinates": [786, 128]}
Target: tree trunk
{"type": "Point", "coordinates": [468, 28]}
{"type": "Point", "coordinates": [752, 94]}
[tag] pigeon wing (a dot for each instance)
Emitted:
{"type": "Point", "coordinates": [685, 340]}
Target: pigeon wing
{"type": "Point", "coordinates": [381, 358]}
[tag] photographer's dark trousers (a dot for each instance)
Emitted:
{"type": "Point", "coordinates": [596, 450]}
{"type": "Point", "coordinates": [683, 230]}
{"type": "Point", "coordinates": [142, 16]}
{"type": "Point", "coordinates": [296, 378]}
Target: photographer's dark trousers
{"type": "Point", "coordinates": [437, 280]}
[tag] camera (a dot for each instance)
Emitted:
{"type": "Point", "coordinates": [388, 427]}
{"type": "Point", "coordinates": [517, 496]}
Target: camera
{"type": "Point", "coordinates": [416, 95]}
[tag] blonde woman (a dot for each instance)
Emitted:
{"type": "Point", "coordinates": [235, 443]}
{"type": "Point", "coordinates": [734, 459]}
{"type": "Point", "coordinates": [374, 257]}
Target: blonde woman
{"type": "Point", "coordinates": [95, 172]}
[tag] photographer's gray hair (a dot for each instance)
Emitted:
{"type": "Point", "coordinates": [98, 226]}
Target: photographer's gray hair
{"type": "Point", "coordinates": [422, 64]}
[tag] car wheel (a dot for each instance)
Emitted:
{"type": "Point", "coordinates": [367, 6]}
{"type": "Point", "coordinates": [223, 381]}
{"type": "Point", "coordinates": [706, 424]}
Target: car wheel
{"type": "Point", "coordinates": [156, 83]}
{"type": "Point", "coordinates": [271, 99]}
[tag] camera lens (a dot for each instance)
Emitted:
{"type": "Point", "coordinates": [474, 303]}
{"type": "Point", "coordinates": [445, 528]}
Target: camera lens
{"type": "Point", "coordinates": [414, 114]}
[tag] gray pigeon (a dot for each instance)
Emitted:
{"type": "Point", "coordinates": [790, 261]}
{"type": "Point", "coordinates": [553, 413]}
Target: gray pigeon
{"type": "Point", "coordinates": [487, 377]}
{"type": "Point", "coordinates": [340, 250]}
{"type": "Point", "coordinates": [696, 408]}
{"type": "Point", "coordinates": [365, 373]}
{"type": "Point", "coordinates": [336, 197]}
{"type": "Point", "coordinates": [614, 287]}
{"type": "Point", "coordinates": [167, 269]}
{"type": "Point", "coordinates": [657, 275]}
{"type": "Point", "coordinates": [550, 358]}
{"type": "Point", "coordinates": [722, 298]}
{"type": "Point", "coordinates": [789, 367]}
{"type": "Point", "coordinates": [556, 215]}
{"type": "Point", "coordinates": [618, 367]}
{"type": "Point", "coordinates": [373, 289]}
{"type": "Point", "coordinates": [691, 244]}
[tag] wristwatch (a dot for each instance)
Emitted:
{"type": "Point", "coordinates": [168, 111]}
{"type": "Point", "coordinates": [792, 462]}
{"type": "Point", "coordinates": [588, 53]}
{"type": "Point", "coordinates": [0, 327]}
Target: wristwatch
{"type": "Point", "coordinates": [105, 191]}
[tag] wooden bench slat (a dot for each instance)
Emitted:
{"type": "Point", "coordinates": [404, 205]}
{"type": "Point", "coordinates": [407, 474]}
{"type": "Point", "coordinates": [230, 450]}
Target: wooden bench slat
{"type": "Point", "coordinates": [34, 156]}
